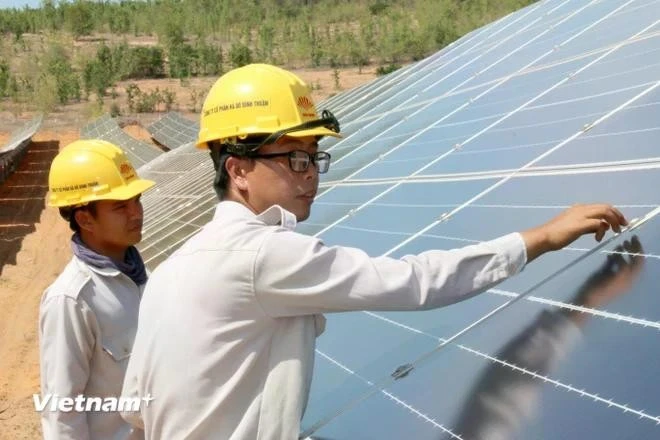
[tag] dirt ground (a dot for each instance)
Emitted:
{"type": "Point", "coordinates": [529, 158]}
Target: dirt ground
{"type": "Point", "coordinates": [34, 240]}
{"type": "Point", "coordinates": [33, 250]}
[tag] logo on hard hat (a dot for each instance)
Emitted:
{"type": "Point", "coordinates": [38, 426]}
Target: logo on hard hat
{"type": "Point", "coordinates": [126, 170]}
{"type": "Point", "coordinates": [305, 102]}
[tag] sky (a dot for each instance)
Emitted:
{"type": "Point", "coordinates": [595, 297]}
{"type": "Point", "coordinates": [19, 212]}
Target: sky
{"type": "Point", "coordinates": [18, 3]}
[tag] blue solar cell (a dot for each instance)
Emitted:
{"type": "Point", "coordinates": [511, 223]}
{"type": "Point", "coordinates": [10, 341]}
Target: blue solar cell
{"type": "Point", "coordinates": [469, 126]}
{"type": "Point", "coordinates": [607, 27]}
{"type": "Point", "coordinates": [629, 135]}
{"type": "Point", "coordinates": [441, 400]}
{"type": "Point", "coordinates": [538, 352]}
{"type": "Point", "coordinates": [334, 203]}
{"type": "Point", "coordinates": [491, 218]}
{"type": "Point", "coordinates": [379, 227]}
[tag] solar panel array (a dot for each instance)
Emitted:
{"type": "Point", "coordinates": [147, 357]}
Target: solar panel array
{"type": "Point", "coordinates": [174, 130]}
{"type": "Point", "coordinates": [12, 153]}
{"type": "Point", "coordinates": [181, 202]}
{"type": "Point", "coordinates": [108, 129]}
{"type": "Point", "coordinates": [553, 105]}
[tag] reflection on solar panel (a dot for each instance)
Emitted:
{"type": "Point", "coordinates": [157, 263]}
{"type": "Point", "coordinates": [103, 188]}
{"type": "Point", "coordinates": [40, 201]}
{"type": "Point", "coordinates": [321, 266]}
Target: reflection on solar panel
{"type": "Point", "coordinates": [106, 128]}
{"type": "Point", "coordinates": [23, 134]}
{"type": "Point", "coordinates": [12, 153]}
{"type": "Point", "coordinates": [173, 130]}
{"type": "Point", "coordinates": [554, 105]}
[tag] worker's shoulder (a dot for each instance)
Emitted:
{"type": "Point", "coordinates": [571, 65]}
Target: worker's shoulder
{"type": "Point", "coordinates": [243, 233]}
{"type": "Point", "coordinates": [70, 283]}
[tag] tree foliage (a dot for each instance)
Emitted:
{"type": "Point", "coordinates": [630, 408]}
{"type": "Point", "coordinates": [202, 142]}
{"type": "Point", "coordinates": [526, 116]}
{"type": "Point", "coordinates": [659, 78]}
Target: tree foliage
{"type": "Point", "coordinates": [312, 32]}
{"type": "Point", "coordinates": [207, 37]}
{"type": "Point", "coordinates": [60, 75]}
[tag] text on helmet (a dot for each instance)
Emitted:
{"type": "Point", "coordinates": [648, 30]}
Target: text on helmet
{"type": "Point", "coordinates": [236, 105]}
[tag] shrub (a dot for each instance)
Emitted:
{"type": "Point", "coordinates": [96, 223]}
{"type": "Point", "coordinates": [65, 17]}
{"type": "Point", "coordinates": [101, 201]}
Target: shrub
{"type": "Point", "coordinates": [384, 70]}
{"type": "Point", "coordinates": [5, 77]}
{"type": "Point", "coordinates": [149, 102]}
{"type": "Point", "coordinates": [240, 55]}
{"type": "Point", "coordinates": [115, 110]}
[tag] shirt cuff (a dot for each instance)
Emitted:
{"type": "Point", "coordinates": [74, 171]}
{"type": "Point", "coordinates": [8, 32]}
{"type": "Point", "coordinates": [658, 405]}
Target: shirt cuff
{"type": "Point", "coordinates": [514, 251]}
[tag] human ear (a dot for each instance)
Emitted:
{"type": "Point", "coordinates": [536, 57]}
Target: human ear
{"type": "Point", "coordinates": [84, 219]}
{"type": "Point", "coordinates": [237, 171]}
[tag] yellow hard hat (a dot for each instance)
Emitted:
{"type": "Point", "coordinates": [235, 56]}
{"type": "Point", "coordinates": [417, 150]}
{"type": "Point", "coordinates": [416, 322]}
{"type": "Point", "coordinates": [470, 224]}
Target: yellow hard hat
{"type": "Point", "coordinates": [89, 170]}
{"type": "Point", "coordinates": [260, 99]}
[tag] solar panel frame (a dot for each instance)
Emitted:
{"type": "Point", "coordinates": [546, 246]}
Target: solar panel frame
{"type": "Point", "coordinates": [16, 147]}
{"type": "Point", "coordinates": [174, 130]}
{"type": "Point", "coordinates": [107, 128]}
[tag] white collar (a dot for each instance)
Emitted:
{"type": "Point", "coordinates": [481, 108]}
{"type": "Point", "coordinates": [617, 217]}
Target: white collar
{"type": "Point", "coordinates": [275, 215]}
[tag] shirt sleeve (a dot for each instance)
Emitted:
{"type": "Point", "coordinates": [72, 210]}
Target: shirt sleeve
{"type": "Point", "coordinates": [296, 274]}
{"type": "Point", "coordinates": [66, 347]}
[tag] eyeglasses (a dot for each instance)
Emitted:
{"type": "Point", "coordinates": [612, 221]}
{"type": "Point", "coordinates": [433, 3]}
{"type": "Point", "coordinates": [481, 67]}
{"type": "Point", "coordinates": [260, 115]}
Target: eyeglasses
{"type": "Point", "coordinates": [299, 160]}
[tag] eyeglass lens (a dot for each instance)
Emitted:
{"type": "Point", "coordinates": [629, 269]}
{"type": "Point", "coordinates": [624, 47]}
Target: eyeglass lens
{"type": "Point", "coordinates": [299, 161]}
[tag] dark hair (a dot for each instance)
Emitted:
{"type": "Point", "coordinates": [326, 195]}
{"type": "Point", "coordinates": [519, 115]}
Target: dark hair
{"type": "Point", "coordinates": [219, 157]}
{"type": "Point", "coordinates": [68, 213]}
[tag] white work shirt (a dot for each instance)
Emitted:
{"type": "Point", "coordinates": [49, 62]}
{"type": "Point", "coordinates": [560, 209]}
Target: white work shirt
{"type": "Point", "coordinates": [87, 323]}
{"type": "Point", "coordinates": [226, 336]}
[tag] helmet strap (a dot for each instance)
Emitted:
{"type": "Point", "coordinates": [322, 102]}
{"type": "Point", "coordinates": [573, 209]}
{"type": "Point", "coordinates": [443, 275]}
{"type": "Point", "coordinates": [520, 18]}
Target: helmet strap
{"type": "Point", "coordinates": [328, 120]}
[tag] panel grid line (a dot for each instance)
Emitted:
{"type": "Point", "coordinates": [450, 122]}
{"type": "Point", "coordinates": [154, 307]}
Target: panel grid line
{"type": "Point", "coordinates": [552, 170]}
{"type": "Point", "coordinates": [447, 63]}
{"type": "Point", "coordinates": [468, 102]}
{"type": "Point", "coordinates": [390, 396]}
{"type": "Point", "coordinates": [425, 357]}
{"type": "Point", "coordinates": [440, 157]}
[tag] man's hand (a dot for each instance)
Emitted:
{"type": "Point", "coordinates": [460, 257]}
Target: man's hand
{"type": "Point", "coordinates": [570, 225]}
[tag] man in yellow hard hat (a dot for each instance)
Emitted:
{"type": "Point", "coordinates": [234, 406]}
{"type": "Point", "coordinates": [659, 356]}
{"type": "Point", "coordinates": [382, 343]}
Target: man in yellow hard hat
{"type": "Point", "coordinates": [88, 316]}
{"type": "Point", "coordinates": [226, 338]}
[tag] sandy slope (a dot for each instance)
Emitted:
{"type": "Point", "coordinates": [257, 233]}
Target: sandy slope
{"type": "Point", "coordinates": [42, 256]}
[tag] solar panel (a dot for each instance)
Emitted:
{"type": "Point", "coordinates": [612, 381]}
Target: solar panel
{"type": "Point", "coordinates": [108, 129]}
{"type": "Point", "coordinates": [553, 105]}
{"type": "Point", "coordinates": [180, 203]}
{"type": "Point", "coordinates": [22, 134]}
{"type": "Point", "coordinates": [174, 130]}
{"type": "Point", "coordinates": [12, 153]}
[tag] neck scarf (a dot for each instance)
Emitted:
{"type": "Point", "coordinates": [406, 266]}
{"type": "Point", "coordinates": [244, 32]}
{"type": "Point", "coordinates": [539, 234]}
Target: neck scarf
{"type": "Point", "coordinates": [132, 266]}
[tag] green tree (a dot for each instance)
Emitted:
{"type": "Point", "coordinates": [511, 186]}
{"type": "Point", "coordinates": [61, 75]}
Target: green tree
{"type": "Point", "coordinates": [140, 62]}
{"type": "Point", "coordinates": [65, 80]}
{"type": "Point", "coordinates": [208, 61]}
{"type": "Point", "coordinates": [5, 78]}
{"type": "Point", "coordinates": [266, 42]}
{"type": "Point", "coordinates": [79, 17]}
{"type": "Point", "coordinates": [98, 74]}
{"type": "Point", "coordinates": [240, 55]}
{"type": "Point", "coordinates": [182, 59]}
